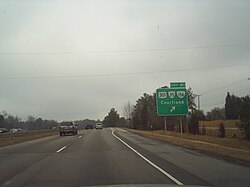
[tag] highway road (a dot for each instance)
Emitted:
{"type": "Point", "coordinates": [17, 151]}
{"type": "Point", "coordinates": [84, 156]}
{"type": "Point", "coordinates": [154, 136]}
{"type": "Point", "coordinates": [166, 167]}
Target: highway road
{"type": "Point", "coordinates": [115, 157]}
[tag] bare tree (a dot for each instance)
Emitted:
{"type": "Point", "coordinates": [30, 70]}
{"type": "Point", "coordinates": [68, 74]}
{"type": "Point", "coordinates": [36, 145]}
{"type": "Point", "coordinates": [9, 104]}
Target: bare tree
{"type": "Point", "coordinates": [127, 111]}
{"type": "Point", "coordinates": [31, 119]}
{"type": "Point", "coordinates": [5, 114]}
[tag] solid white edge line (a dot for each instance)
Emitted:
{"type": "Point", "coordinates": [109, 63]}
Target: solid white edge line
{"type": "Point", "coordinates": [7, 183]}
{"type": "Point", "coordinates": [61, 149]}
{"type": "Point", "coordinates": [151, 163]}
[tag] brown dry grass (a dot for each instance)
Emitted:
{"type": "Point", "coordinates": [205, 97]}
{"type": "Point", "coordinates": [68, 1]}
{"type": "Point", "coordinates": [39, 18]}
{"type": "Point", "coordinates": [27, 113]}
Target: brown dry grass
{"type": "Point", "coordinates": [216, 123]}
{"type": "Point", "coordinates": [227, 148]}
{"type": "Point", "coordinates": [15, 138]}
{"type": "Point", "coordinates": [231, 128]}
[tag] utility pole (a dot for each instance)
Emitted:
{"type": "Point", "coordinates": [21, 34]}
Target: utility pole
{"type": "Point", "coordinates": [248, 78]}
{"type": "Point", "coordinates": [199, 101]}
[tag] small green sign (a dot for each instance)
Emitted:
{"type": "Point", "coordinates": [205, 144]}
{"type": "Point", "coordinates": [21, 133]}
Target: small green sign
{"type": "Point", "coordinates": [171, 101]}
{"type": "Point", "coordinates": [177, 85]}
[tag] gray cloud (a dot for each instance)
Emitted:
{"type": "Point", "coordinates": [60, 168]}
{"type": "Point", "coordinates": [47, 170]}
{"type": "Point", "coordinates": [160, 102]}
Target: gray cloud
{"type": "Point", "coordinates": [61, 38]}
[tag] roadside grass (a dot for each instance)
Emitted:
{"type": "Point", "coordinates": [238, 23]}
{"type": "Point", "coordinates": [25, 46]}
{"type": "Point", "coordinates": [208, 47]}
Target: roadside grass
{"type": "Point", "coordinates": [228, 142]}
{"type": "Point", "coordinates": [216, 123]}
{"type": "Point", "coordinates": [231, 128]}
{"type": "Point", "coordinates": [10, 139]}
{"type": "Point", "coordinates": [236, 150]}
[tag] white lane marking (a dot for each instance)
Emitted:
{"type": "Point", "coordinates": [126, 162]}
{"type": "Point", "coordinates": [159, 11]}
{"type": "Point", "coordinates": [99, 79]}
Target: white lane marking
{"type": "Point", "coordinates": [79, 136]}
{"type": "Point", "coordinates": [61, 149]}
{"type": "Point", "coordinates": [151, 163]}
{"type": "Point", "coordinates": [7, 183]}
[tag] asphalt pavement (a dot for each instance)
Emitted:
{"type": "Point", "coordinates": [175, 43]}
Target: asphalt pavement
{"type": "Point", "coordinates": [112, 157]}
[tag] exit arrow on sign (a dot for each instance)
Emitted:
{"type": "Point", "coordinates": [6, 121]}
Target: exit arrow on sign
{"type": "Point", "coordinates": [172, 109]}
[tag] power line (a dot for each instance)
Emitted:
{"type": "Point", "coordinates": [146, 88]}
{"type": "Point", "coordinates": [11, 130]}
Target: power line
{"type": "Point", "coordinates": [123, 74]}
{"type": "Point", "coordinates": [212, 102]}
{"type": "Point", "coordinates": [226, 86]}
{"type": "Point", "coordinates": [213, 105]}
{"type": "Point", "coordinates": [237, 92]}
{"type": "Point", "coordinates": [127, 50]}
{"type": "Point", "coordinates": [217, 104]}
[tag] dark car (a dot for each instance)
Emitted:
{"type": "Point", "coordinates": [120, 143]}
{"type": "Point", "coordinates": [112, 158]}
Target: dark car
{"type": "Point", "coordinates": [68, 128]}
{"type": "Point", "coordinates": [89, 127]}
{"type": "Point", "coordinates": [3, 130]}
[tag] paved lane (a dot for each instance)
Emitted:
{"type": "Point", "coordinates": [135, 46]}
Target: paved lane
{"type": "Point", "coordinates": [190, 166]}
{"type": "Point", "coordinates": [95, 159]}
{"type": "Point", "coordinates": [17, 158]}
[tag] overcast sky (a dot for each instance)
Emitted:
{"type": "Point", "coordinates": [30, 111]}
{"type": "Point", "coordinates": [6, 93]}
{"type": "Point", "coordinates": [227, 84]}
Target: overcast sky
{"type": "Point", "coordinates": [69, 60]}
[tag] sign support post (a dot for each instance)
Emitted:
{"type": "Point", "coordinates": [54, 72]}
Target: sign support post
{"type": "Point", "coordinates": [181, 125]}
{"type": "Point", "coordinates": [165, 123]}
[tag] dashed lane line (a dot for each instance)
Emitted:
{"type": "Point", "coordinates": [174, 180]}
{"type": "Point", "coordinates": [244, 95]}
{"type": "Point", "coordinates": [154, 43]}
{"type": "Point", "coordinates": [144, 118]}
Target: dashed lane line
{"type": "Point", "coordinates": [59, 150]}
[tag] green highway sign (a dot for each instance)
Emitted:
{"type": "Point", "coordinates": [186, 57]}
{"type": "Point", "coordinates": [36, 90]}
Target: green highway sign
{"type": "Point", "coordinates": [171, 101]}
{"type": "Point", "coordinates": [177, 85]}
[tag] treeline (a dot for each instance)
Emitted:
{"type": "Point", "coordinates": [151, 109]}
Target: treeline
{"type": "Point", "coordinates": [113, 119]}
{"type": "Point", "coordinates": [143, 115]}
{"type": "Point", "coordinates": [83, 123]}
{"type": "Point", "coordinates": [8, 121]}
{"type": "Point", "coordinates": [239, 108]}
{"type": "Point", "coordinates": [233, 106]}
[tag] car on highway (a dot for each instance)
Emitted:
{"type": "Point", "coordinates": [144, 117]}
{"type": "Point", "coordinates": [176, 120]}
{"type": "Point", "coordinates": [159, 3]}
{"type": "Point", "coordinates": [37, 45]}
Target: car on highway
{"type": "Point", "coordinates": [68, 128]}
{"type": "Point", "coordinates": [98, 126]}
{"type": "Point", "coordinates": [89, 127]}
{"type": "Point", "coordinates": [3, 130]}
{"type": "Point", "coordinates": [15, 130]}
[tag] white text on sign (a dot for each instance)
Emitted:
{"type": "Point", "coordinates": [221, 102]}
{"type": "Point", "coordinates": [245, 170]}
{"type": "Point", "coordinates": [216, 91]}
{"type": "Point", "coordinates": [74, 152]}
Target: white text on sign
{"type": "Point", "coordinates": [172, 102]}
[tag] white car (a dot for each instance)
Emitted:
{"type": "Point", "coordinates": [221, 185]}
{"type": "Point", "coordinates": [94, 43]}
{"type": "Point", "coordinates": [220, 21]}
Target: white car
{"type": "Point", "coordinates": [98, 126]}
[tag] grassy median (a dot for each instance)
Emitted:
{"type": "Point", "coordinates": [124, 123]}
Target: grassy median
{"type": "Point", "coordinates": [227, 148]}
{"type": "Point", "coordinates": [14, 138]}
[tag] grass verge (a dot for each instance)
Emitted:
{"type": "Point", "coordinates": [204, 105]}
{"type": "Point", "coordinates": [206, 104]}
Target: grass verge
{"type": "Point", "coordinates": [227, 148]}
{"type": "Point", "coordinates": [216, 123]}
{"type": "Point", "coordinates": [14, 138]}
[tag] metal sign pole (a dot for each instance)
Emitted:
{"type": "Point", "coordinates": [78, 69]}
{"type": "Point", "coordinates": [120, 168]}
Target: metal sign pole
{"type": "Point", "coordinates": [181, 125]}
{"type": "Point", "coordinates": [165, 123]}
